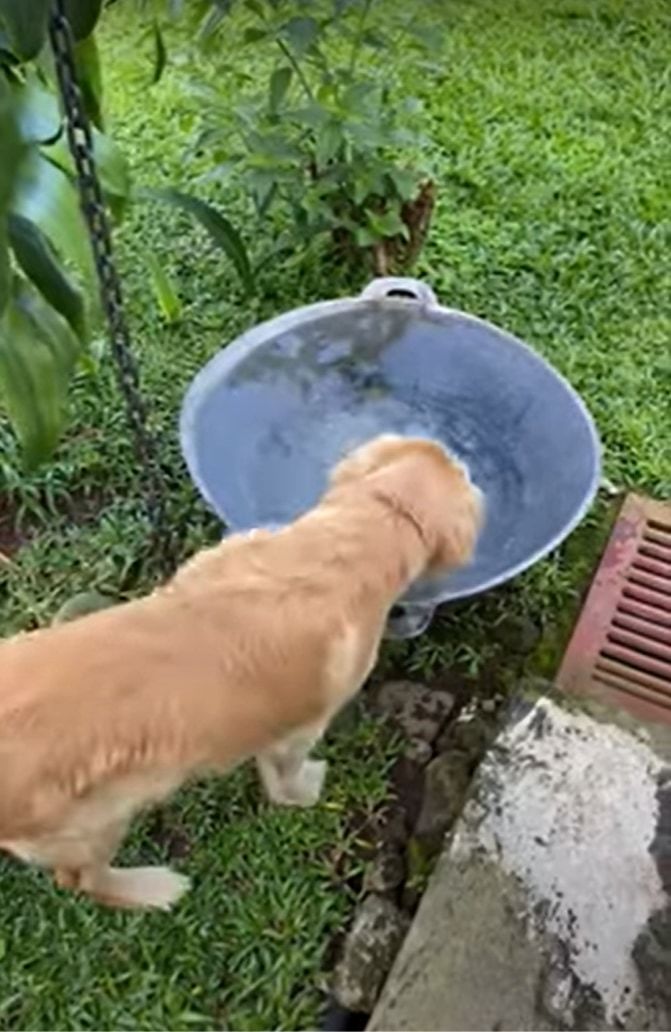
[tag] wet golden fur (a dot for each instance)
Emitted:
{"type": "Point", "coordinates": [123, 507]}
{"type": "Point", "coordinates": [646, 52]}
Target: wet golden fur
{"type": "Point", "coordinates": [247, 652]}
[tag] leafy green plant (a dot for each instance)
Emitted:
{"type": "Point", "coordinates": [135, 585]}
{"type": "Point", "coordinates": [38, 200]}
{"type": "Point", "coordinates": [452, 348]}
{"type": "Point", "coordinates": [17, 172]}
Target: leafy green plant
{"type": "Point", "coordinates": [321, 125]}
{"type": "Point", "coordinates": [47, 294]}
{"type": "Point", "coordinates": [49, 304]}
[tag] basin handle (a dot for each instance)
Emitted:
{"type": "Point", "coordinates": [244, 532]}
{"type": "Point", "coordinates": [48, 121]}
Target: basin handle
{"type": "Point", "coordinates": [401, 288]}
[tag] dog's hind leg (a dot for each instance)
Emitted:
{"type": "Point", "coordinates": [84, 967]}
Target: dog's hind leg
{"type": "Point", "coordinates": [79, 856]}
{"type": "Point", "coordinates": [84, 866]}
{"type": "Point", "coordinates": [81, 851]}
{"type": "Point", "coordinates": [133, 887]}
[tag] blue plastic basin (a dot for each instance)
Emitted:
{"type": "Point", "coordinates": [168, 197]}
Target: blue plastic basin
{"type": "Point", "coordinates": [271, 413]}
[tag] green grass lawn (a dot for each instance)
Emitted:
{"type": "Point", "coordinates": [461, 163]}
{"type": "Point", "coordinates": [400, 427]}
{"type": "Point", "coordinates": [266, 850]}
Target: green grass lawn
{"type": "Point", "coordinates": [550, 138]}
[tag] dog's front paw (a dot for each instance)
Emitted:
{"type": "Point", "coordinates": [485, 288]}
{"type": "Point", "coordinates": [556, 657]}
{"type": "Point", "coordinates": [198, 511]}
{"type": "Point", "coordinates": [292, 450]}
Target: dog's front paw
{"type": "Point", "coordinates": [307, 785]}
{"type": "Point", "coordinates": [300, 788]}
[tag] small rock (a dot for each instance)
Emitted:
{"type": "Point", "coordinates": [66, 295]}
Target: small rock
{"type": "Point", "coordinates": [518, 634]}
{"type": "Point", "coordinates": [369, 952]}
{"type": "Point", "coordinates": [386, 872]}
{"type": "Point", "coordinates": [445, 787]}
{"type": "Point", "coordinates": [555, 988]}
{"type": "Point", "coordinates": [472, 736]}
{"type": "Point", "coordinates": [339, 1019]}
{"type": "Point", "coordinates": [652, 956]}
{"type": "Point", "coordinates": [410, 899]}
{"type": "Point", "coordinates": [407, 785]}
{"type": "Point", "coordinates": [556, 999]}
{"type": "Point", "coordinates": [470, 733]}
{"type": "Point", "coordinates": [418, 712]}
{"type": "Point", "coordinates": [418, 751]}
{"type": "Point", "coordinates": [395, 826]}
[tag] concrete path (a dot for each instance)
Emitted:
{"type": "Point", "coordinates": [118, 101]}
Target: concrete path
{"type": "Point", "coordinates": [550, 907]}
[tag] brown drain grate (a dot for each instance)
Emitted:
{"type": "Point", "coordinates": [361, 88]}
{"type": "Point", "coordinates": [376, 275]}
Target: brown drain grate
{"type": "Point", "coordinates": [620, 652]}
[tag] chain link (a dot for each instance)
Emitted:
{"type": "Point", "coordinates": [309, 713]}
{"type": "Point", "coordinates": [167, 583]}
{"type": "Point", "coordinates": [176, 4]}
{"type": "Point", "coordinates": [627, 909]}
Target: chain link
{"type": "Point", "coordinates": [80, 141]}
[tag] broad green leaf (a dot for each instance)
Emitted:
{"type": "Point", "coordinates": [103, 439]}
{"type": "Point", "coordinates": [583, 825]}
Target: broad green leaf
{"type": "Point", "coordinates": [51, 326]}
{"type": "Point", "coordinates": [212, 20]}
{"type": "Point", "coordinates": [222, 232]}
{"type": "Point", "coordinates": [361, 190]}
{"type": "Point", "coordinates": [211, 137]}
{"type": "Point", "coordinates": [356, 97]}
{"type": "Point", "coordinates": [160, 54]}
{"type": "Point", "coordinates": [5, 266]}
{"type": "Point", "coordinates": [219, 173]}
{"type": "Point", "coordinates": [374, 39]}
{"type": "Point", "coordinates": [367, 136]}
{"type": "Point", "coordinates": [255, 35]}
{"type": "Point", "coordinates": [263, 186]}
{"type": "Point", "coordinates": [280, 81]}
{"type": "Point", "coordinates": [111, 166]}
{"type": "Point", "coordinates": [31, 396]}
{"type": "Point", "coordinates": [302, 32]}
{"type": "Point", "coordinates": [313, 115]}
{"type": "Point", "coordinates": [429, 37]}
{"type": "Point", "coordinates": [326, 94]}
{"type": "Point", "coordinates": [40, 263]}
{"type": "Point", "coordinates": [365, 237]}
{"type": "Point", "coordinates": [272, 145]}
{"type": "Point", "coordinates": [82, 15]}
{"type": "Point", "coordinates": [113, 171]}
{"type": "Point", "coordinates": [37, 113]}
{"type": "Point", "coordinates": [340, 7]}
{"type": "Point", "coordinates": [12, 145]}
{"type": "Point", "coordinates": [406, 138]}
{"type": "Point", "coordinates": [45, 196]}
{"type": "Point", "coordinates": [6, 56]}
{"type": "Point", "coordinates": [404, 181]}
{"type": "Point", "coordinates": [166, 294]}
{"type": "Point", "coordinates": [329, 139]}
{"type": "Point", "coordinates": [386, 224]}
{"type": "Point", "coordinates": [12, 152]}
{"type": "Point", "coordinates": [26, 25]}
{"type": "Point", "coordinates": [256, 7]}
{"type": "Point", "coordinates": [37, 355]}
{"type": "Point", "coordinates": [87, 61]}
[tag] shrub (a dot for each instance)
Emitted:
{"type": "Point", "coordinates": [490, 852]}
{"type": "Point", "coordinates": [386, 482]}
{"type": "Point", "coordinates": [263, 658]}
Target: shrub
{"type": "Point", "coordinates": [324, 128]}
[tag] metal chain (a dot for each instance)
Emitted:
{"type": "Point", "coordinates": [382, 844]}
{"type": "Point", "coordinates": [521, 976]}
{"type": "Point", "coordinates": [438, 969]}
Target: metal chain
{"type": "Point", "coordinates": [80, 141]}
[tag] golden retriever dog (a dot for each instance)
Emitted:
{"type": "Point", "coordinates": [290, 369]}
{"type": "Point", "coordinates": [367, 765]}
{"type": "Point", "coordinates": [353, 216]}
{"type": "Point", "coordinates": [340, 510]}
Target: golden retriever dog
{"type": "Point", "coordinates": [248, 651]}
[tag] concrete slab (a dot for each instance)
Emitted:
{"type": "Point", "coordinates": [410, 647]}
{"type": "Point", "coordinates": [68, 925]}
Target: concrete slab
{"type": "Point", "coordinates": [550, 906]}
